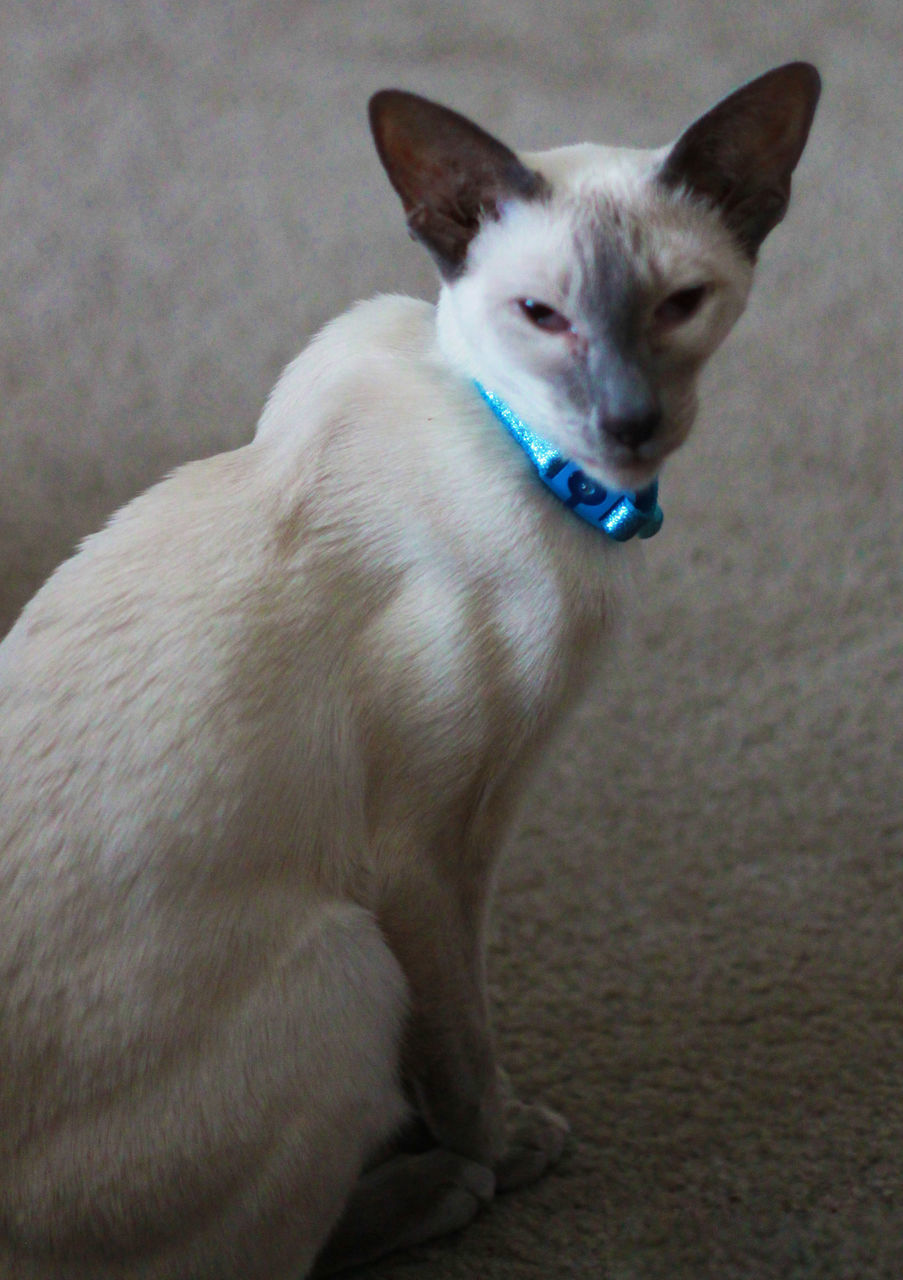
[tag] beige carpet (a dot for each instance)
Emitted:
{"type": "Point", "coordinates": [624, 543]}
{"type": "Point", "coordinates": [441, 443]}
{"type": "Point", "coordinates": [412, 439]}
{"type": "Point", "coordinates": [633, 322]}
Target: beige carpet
{"type": "Point", "coordinates": [698, 945]}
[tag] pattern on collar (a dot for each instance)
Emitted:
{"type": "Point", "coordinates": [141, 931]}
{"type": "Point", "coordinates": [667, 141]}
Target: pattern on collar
{"type": "Point", "coordinates": [621, 514]}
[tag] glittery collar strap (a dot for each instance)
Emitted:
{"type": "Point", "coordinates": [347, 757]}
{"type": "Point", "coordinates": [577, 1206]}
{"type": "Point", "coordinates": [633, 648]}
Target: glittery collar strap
{"type": "Point", "coordinates": [622, 515]}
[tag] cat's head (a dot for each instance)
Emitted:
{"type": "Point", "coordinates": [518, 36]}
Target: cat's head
{"type": "Point", "coordinates": [586, 286]}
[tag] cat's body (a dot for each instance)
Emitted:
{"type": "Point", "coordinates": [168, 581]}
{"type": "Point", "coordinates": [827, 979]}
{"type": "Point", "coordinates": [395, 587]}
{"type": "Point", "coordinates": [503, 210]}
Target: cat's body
{"type": "Point", "coordinates": [261, 739]}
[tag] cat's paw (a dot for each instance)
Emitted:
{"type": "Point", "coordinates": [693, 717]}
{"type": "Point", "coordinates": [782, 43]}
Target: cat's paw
{"type": "Point", "coordinates": [406, 1201]}
{"type": "Point", "coordinates": [536, 1137]}
{"type": "Point", "coordinates": [466, 1176]}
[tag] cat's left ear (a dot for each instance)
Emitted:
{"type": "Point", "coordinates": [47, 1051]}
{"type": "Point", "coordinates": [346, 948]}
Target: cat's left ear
{"type": "Point", "coordinates": [447, 170]}
{"type": "Point", "coordinates": [740, 155]}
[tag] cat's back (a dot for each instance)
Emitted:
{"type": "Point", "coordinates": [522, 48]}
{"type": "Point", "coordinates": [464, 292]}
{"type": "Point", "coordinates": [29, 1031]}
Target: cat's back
{"type": "Point", "coordinates": [203, 547]}
{"type": "Point", "coordinates": [139, 588]}
{"type": "Point", "coordinates": [113, 659]}
{"type": "Point", "coordinates": [162, 661]}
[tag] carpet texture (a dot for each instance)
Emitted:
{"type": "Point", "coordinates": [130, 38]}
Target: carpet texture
{"type": "Point", "coordinates": [697, 948]}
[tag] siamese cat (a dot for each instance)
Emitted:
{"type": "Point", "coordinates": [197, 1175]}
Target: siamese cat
{"type": "Point", "coordinates": [262, 738]}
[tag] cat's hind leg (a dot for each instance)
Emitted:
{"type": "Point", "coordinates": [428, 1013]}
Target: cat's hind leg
{"type": "Point", "coordinates": [242, 1155]}
{"type": "Point", "coordinates": [235, 1156]}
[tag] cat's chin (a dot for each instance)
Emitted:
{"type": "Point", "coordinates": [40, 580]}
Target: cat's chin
{"type": "Point", "coordinates": [619, 475]}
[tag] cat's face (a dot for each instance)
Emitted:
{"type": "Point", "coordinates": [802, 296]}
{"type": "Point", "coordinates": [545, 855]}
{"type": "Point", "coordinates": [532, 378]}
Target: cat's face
{"type": "Point", "coordinates": [587, 286]}
{"type": "Point", "coordinates": [591, 311]}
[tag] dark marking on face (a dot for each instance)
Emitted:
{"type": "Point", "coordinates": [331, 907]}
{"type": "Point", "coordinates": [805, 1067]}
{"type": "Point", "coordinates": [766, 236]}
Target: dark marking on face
{"type": "Point", "coordinates": [618, 386]}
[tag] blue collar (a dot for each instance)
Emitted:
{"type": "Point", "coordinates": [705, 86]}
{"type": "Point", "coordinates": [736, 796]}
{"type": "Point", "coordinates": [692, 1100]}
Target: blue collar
{"type": "Point", "coordinates": [618, 513]}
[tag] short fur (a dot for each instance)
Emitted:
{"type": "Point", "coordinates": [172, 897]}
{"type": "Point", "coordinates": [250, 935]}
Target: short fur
{"type": "Point", "coordinates": [261, 739]}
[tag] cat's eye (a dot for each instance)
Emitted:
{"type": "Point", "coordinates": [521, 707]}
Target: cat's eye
{"type": "Point", "coordinates": [680, 306]}
{"type": "Point", "coordinates": [543, 316]}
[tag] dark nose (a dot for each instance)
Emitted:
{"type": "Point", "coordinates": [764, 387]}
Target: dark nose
{"type": "Point", "coordinates": [633, 429]}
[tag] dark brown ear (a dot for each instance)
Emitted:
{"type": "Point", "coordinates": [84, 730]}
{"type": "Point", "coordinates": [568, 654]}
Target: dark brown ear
{"type": "Point", "coordinates": [448, 172]}
{"type": "Point", "coordinates": [741, 154]}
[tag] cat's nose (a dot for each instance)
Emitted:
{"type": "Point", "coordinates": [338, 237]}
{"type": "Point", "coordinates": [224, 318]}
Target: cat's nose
{"type": "Point", "coordinates": [633, 429]}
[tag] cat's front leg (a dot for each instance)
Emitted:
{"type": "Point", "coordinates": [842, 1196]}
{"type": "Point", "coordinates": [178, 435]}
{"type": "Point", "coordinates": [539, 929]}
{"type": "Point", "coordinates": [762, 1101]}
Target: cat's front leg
{"type": "Point", "coordinates": [463, 1097]}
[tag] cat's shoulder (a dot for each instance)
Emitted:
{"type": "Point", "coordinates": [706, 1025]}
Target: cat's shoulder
{"type": "Point", "coordinates": [387, 326]}
{"type": "Point", "coordinates": [388, 320]}
{"type": "Point", "coordinates": [380, 343]}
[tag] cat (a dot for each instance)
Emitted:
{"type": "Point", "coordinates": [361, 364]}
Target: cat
{"type": "Point", "coordinates": [262, 738]}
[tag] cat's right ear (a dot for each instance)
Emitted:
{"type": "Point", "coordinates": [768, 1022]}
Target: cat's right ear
{"type": "Point", "coordinates": [449, 173]}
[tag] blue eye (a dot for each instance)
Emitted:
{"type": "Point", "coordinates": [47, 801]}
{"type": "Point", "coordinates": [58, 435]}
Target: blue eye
{"type": "Point", "coordinates": [543, 316]}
